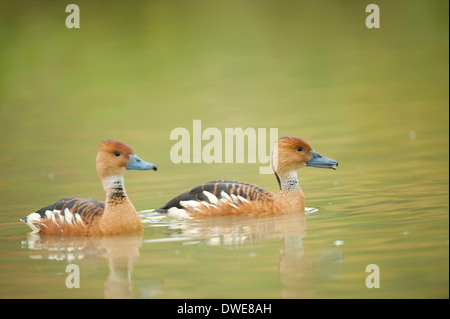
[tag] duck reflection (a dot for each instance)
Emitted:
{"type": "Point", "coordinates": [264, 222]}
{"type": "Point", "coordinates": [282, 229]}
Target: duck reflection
{"type": "Point", "coordinates": [240, 230]}
{"type": "Point", "coordinates": [245, 232]}
{"type": "Point", "coordinates": [121, 252]}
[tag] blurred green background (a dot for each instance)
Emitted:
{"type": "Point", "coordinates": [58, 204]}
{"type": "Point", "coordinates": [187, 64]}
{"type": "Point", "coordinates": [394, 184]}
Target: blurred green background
{"type": "Point", "coordinates": [376, 100]}
{"type": "Point", "coordinates": [136, 70]}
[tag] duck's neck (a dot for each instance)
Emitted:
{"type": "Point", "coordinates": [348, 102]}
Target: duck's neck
{"type": "Point", "coordinates": [288, 182]}
{"type": "Point", "coordinates": [119, 216]}
{"type": "Point", "coordinates": [115, 190]}
{"type": "Point", "coordinates": [290, 198]}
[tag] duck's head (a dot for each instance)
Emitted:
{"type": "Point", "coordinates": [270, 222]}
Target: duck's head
{"type": "Point", "coordinates": [114, 158]}
{"type": "Point", "coordinates": [292, 153]}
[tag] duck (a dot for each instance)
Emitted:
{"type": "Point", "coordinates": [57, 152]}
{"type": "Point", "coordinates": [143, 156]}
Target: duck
{"type": "Point", "coordinates": [88, 217]}
{"type": "Point", "coordinates": [226, 197]}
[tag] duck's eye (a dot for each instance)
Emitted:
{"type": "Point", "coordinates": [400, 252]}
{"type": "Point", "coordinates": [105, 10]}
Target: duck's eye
{"type": "Point", "coordinates": [299, 149]}
{"type": "Point", "coordinates": [116, 154]}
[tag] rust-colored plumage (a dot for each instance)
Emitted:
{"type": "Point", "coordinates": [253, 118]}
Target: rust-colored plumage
{"type": "Point", "coordinates": [222, 197]}
{"type": "Point", "coordinates": [87, 217]}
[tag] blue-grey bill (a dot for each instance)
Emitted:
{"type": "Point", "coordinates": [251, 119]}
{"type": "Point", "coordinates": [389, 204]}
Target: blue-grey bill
{"type": "Point", "coordinates": [139, 164]}
{"type": "Point", "coordinates": [320, 161]}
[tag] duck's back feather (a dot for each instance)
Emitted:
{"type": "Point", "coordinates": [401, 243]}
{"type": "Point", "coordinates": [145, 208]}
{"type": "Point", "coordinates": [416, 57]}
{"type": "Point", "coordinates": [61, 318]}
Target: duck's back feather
{"type": "Point", "coordinates": [69, 216]}
{"type": "Point", "coordinates": [88, 209]}
{"type": "Point", "coordinates": [248, 191]}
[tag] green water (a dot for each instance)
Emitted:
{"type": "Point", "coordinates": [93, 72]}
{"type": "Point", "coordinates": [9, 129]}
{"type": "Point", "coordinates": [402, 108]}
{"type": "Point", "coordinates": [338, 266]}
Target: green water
{"type": "Point", "coordinates": [375, 100]}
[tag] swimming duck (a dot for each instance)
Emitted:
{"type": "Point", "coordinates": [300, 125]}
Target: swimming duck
{"type": "Point", "coordinates": [88, 217]}
{"type": "Point", "coordinates": [223, 197]}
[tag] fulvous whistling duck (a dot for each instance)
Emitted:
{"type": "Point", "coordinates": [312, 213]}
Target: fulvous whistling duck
{"type": "Point", "coordinates": [222, 197]}
{"type": "Point", "coordinates": [88, 217]}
